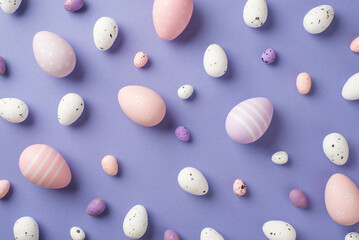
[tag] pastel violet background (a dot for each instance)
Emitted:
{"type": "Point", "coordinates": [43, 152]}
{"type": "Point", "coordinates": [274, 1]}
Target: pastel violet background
{"type": "Point", "coordinates": [151, 158]}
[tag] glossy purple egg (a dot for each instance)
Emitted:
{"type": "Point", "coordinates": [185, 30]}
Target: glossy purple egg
{"type": "Point", "coordinates": [182, 134]}
{"type": "Point", "coordinates": [268, 56]}
{"type": "Point", "coordinates": [2, 66]}
{"type": "Point", "coordinates": [73, 5]}
{"type": "Point", "coordinates": [96, 207]}
{"type": "Point", "coordinates": [171, 235]}
{"type": "Point", "coordinates": [298, 198]}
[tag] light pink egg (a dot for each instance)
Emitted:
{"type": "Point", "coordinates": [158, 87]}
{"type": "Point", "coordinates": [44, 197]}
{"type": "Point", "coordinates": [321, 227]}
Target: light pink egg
{"type": "Point", "coordinates": [44, 166]}
{"type": "Point", "coordinates": [249, 120]}
{"type": "Point", "coordinates": [140, 60]}
{"type": "Point", "coordinates": [53, 54]}
{"type": "Point", "coordinates": [342, 200]}
{"type": "Point", "coordinates": [4, 188]}
{"type": "Point", "coordinates": [110, 165]}
{"type": "Point", "coordinates": [142, 105]}
{"type": "Point", "coordinates": [304, 83]}
{"type": "Point", "coordinates": [171, 17]}
{"type": "Point", "coordinates": [239, 188]}
{"type": "Point", "coordinates": [354, 46]}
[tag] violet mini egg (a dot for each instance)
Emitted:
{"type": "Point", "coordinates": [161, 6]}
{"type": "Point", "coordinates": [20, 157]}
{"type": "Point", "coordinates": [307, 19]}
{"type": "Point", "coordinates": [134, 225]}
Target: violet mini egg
{"type": "Point", "coordinates": [96, 207]}
{"type": "Point", "coordinates": [73, 5]}
{"type": "Point", "coordinates": [269, 55]}
{"type": "Point", "coordinates": [140, 59]}
{"type": "Point", "coordinates": [298, 198]}
{"type": "Point", "coordinates": [182, 134]}
{"type": "Point", "coordinates": [171, 235]}
{"type": "Point", "coordinates": [2, 66]}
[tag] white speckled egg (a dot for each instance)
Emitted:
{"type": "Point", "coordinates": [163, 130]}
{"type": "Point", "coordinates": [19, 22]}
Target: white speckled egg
{"type": "Point", "coordinates": [336, 148]}
{"type": "Point", "coordinates": [318, 19]}
{"type": "Point", "coordinates": [105, 33]}
{"type": "Point", "coordinates": [192, 181]}
{"type": "Point", "coordinates": [210, 234]}
{"type": "Point", "coordinates": [26, 228]}
{"type": "Point", "coordinates": [352, 236]}
{"type": "Point", "coordinates": [350, 89]}
{"type": "Point", "coordinates": [215, 61]}
{"type": "Point", "coordinates": [10, 6]}
{"type": "Point", "coordinates": [255, 13]}
{"type": "Point", "coordinates": [77, 233]}
{"type": "Point", "coordinates": [70, 108]}
{"type": "Point", "coordinates": [185, 92]}
{"type": "Point", "coordinates": [280, 158]}
{"type": "Point", "coordinates": [279, 230]}
{"type": "Point", "coordinates": [135, 223]}
{"type": "Point", "coordinates": [13, 110]}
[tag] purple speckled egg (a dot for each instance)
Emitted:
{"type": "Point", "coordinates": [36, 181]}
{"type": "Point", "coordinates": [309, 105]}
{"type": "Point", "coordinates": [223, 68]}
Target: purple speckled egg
{"type": "Point", "coordinates": [96, 207]}
{"type": "Point", "coordinates": [182, 134]}
{"type": "Point", "coordinates": [298, 198]}
{"type": "Point", "coordinates": [73, 5]}
{"type": "Point", "coordinates": [171, 235]}
{"type": "Point", "coordinates": [2, 66]}
{"type": "Point", "coordinates": [268, 56]}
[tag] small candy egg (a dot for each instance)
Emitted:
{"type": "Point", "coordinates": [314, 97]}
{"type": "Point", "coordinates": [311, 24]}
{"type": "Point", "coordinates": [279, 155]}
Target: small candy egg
{"type": "Point", "coordinates": [2, 66]}
{"type": "Point", "coordinates": [268, 56]}
{"type": "Point", "coordinates": [105, 33]}
{"type": "Point", "coordinates": [255, 13]}
{"type": "Point", "coordinates": [318, 19]}
{"type": "Point", "coordinates": [182, 134]}
{"type": "Point", "coordinates": [239, 188]}
{"type": "Point", "coordinates": [215, 61]}
{"type": "Point", "coordinates": [110, 165]}
{"type": "Point", "coordinates": [304, 83]}
{"type": "Point", "coordinates": [298, 198]}
{"type": "Point", "coordinates": [135, 222]}
{"type": "Point", "coordinates": [73, 5]}
{"type": "Point", "coordinates": [185, 92]}
{"type": "Point", "coordinates": [279, 230]}
{"type": "Point", "coordinates": [352, 236]}
{"type": "Point", "coordinates": [10, 6]}
{"type": "Point", "coordinates": [350, 89]}
{"type": "Point", "coordinates": [354, 46]}
{"type": "Point", "coordinates": [13, 110]}
{"type": "Point", "coordinates": [171, 235]}
{"type": "Point", "coordinates": [280, 158]}
{"type": "Point", "coordinates": [96, 207]}
{"type": "Point", "coordinates": [4, 188]}
{"type": "Point", "coordinates": [26, 228]}
{"type": "Point", "coordinates": [70, 109]}
{"type": "Point", "coordinates": [193, 181]}
{"type": "Point", "coordinates": [77, 233]}
{"type": "Point", "coordinates": [210, 234]}
{"type": "Point", "coordinates": [336, 148]}
{"type": "Point", "coordinates": [140, 60]}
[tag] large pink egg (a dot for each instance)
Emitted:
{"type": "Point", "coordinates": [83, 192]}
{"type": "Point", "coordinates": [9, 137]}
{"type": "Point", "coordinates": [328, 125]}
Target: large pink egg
{"type": "Point", "coordinates": [142, 105]}
{"type": "Point", "coordinates": [249, 120]}
{"type": "Point", "coordinates": [44, 166]}
{"type": "Point", "coordinates": [53, 54]}
{"type": "Point", "coordinates": [342, 200]}
{"type": "Point", "coordinates": [171, 17]}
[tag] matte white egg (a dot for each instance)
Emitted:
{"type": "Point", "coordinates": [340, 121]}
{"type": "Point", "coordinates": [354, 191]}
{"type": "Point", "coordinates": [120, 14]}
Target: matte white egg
{"type": "Point", "coordinates": [352, 236]}
{"type": "Point", "coordinates": [336, 148]}
{"type": "Point", "coordinates": [255, 13]}
{"type": "Point", "coordinates": [135, 223]}
{"type": "Point", "coordinates": [350, 89]}
{"type": "Point", "coordinates": [192, 181]}
{"type": "Point", "coordinates": [280, 157]}
{"type": "Point", "coordinates": [70, 108]}
{"type": "Point", "coordinates": [210, 234]}
{"type": "Point", "coordinates": [13, 110]}
{"type": "Point", "coordinates": [215, 61]}
{"type": "Point", "coordinates": [185, 92]}
{"type": "Point", "coordinates": [105, 33]}
{"type": "Point", "coordinates": [318, 19]}
{"type": "Point", "coordinates": [26, 228]}
{"type": "Point", "coordinates": [279, 230]}
{"type": "Point", "coordinates": [10, 6]}
{"type": "Point", "coordinates": [77, 233]}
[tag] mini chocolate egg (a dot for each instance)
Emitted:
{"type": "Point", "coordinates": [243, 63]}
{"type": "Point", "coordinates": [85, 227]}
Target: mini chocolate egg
{"type": "Point", "coordinates": [185, 92]}
{"type": "Point", "coordinates": [26, 228]}
{"type": "Point", "coordinates": [110, 165]}
{"type": "Point", "coordinates": [73, 5]}
{"type": "Point", "coordinates": [135, 222]}
{"type": "Point", "coordinates": [182, 134]}
{"type": "Point", "coordinates": [105, 33]}
{"type": "Point", "coordinates": [280, 157]}
{"type": "Point", "coordinates": [352, 236]}
{"type": "Point", "coordinates": [96, 207]}
{"type": "Point", "coordinates": [239, 188]}
{"type": "Point", "coordinates": [171, 235]}
{"type": "Point", "coordinates": [140, 59]}
{"type": "Point", "coordinates": [13, 110]}
{"type": "Point", "coordinates": [354, 46]}
{"type": "Point", "coordinates": [304, 83]}
{"type": "Point", "coordinates": [10, 6]}
{"type": "Point", "coordinates": [4, 188]}
{"type": "Point", "coordinates": [268, 56]}
{"type": "Point", "coordinates": [298, 198]}
{"type": "Point", "coordinates": [2, 66]}
{"type": "Point", "coordinates": [77, 233]}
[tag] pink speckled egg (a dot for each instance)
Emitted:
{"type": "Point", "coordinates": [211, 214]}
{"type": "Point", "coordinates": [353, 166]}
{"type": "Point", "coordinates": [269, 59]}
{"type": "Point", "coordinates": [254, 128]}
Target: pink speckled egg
{"type": "Point", "coordinates": [342, 200]}
{"type": "Point", "coordinates": [171, 235]}
{"type": "Point", "coordinates": [304, 83]}
{"type": "Point", "coordinates": [239, 188]}
{"type": "Point", "coordinates": [44, 166]}
{"type": "Point", "coordinates": [2, 66]}
{"type": "Point", "coordinates": [298, 198]}
{"type": "Point", "coordinates": [171, 17]}
{"type": "Point", "coordinates": [73, 5]}
{"type": "Point", "coordinates": [140, 59]}
{"type": "Point", "coordinates": [249, 120]}
{"type": "Point", "coordinates": [53, 54]}
{"type": "Point", "coordinates": [4, 188]}
{"type": "Point", "coordinates": [142, 105]}
{"type": "Point", "coordinates": [354, 46]}
{"type": "Point", "coordinates": [110, 165]}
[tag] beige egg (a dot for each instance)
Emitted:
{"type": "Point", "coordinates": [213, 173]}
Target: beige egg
{"type": "Point", "coordinates": [4, 188]}
{"type": "Point", "coordinates": [110, 165]}
{"type": "Point", "coordinates": [304, 83]}
{"type": "Point", "coordinates": [354, 46]}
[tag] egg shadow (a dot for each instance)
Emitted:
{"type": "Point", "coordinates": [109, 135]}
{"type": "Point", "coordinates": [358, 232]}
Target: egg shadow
{"type": "Point", "coordinates": [73, 185]}
{"type": "Point", "coordinates": [352, 155]}
{"type": "Point", "coordinates": [193, 27]}
{"type": "Point", "coordinates": [8, 195]}
{"type": "Point", "coordinates": [22, 8]}
{"type": "Point", "coordinates": [334, 25]}
{"type": "Point", "coordinates": [83, 118]}
{"type": "Point", "coordinates": [229, 73]}
{"type": "Point", "coordinates": [118, 42]}
{"type": "Point", "coordinates": [150, 228]}
{"type": "Point", "coordinates": [78, 73]}
{"type": "Point", "coordinates": [147, 65]}
{"type": "Point", "coordinates": [167, 124]}
{"type": "Point", "coordinates": [105, 213]}
{"type": "Point", "coordinates": [82, 10]}
{"type": "Point", "coordinates": [269, 22]}
{"type": "Point", "coordinates": [28, 121]}
{"type": "Point", "coordinates": [312, 89]}
{"type": "Point", "coordinates": [7, 70]}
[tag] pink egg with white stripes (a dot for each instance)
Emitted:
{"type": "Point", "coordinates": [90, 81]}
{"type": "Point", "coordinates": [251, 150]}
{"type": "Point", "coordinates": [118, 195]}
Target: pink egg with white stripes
{"type": "Point", "coordinates": [53, 54]}
{"type": "Point", "coordinates": [44, 166]}
{"type": "Point", "coordinates": [249, 120]}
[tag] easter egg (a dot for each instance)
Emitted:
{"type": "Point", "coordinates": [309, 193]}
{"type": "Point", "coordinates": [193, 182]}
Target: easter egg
{"type": "Point", "coordinates": [77, 233]}
{"type": "Point", "coordinates": [4, 188]}
{"type": "Point", "coordinates": [350, 89]}
{"type": "Point", "coordinates": [215, 61]}
{"type": "Point", "coordinates": [336, 148]}
{"type": "Point", "coordinates": [341, 200]}
{"type": "Point", "coordinates": [110, 165]}
{"type": "Point", "coordinates": [210, 234]}
{"type": "Point", "coordinates": [182, 134]}
{"type": "Point", "coordinates": [2, 66]}
{"type": "Point", "coordinates": [239, 188]}
{"type": "Point", "coordinates": [298, 198]}
{"type": "Point", "coordinates": [185, 92]}
{"type": "Point", "coordinates": [192, 181]}
{"type": "Point", "coordinates": [105, 33]}
{"type": "Point", "coordinates": [54, 55]}
{"type": "Point", "coordinates": [318, 19]}
{"type": "Point", "coordinates": [142, 105]}
{"type": "Point", "coordinates": [13, 110]}
{"type": "Point", "coordinates": [135, 222]}
{"type": "Point", "coordinates": [279, 230]}
{"type": "Point", "coordinates": [269, 55]}
{"type": "Point", "coordinates": [10, 6]}
{"type": "Point", "coordinates": [73, 5]}
{"type": "Point", "coordinates": [255, 13]}
{"type": "Point", "coordinates": [26, 228]}
{"type": "Point", "coordinates": [354, 46]}
{"type": "Point", "coordinates": [171, 18]}
{"type": "Point", "coordinates": [70, 109]}
{"type": "Point", "coordinates": [44, 166]}
{"type": "Point", "coordinates": [140, 59]}
{"type": "Point", "coordinates": [249, 120]}
{"type": "Point", "coordinates": [304, 83]}
{"type": "Point", "coordinates": [352, 236]}
{"type": "Point", "coordinates": [96, 207]}
{"type": "Point", "coordinates": [170, 235]}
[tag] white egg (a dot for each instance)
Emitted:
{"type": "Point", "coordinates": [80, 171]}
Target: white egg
{"type": "Point", "coordinates": [192, 181]}
{"type": "Point", "coordinates": [26, 228]}
{"type": "Point", "coordinates": [318, 19]}
{"type": "Point", "coordinates": [280, 157]}
{"type": "Point", "coordinates": [215, 61]}
{"type": "Point", "coordinates": [352, 236]}
{"type": "Point", "coordinates": [13, 110]}
{"type": "Point", "coordinates": [135, 223]}
{"type": "Point", "coordinates": [255, 13]}
{"type": "Point", "coordinates": [105, 33]}
{"type": "Point", "coordinates": [336, 148]}
{"type": "Point", "coordinates": [10, 6]}
{"type": "Point", "coordinates": [70, 108]}
{"type": "Point", "coordinates": [351, 88]}
{"type": "Point", "coordinates": [185, 92]}
{"type": "Point", "coordinates": [77, 233]}
{"type": "Point", "coordinates": [210, 234]}
{"type": "Point", "coordinates": [279, 230]}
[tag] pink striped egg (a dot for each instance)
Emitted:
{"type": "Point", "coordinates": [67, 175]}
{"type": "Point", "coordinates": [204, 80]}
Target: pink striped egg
{"type": "Point", "coordinates": [249, 120]}
{"type": "Point", "coordinates": [44, 166]}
